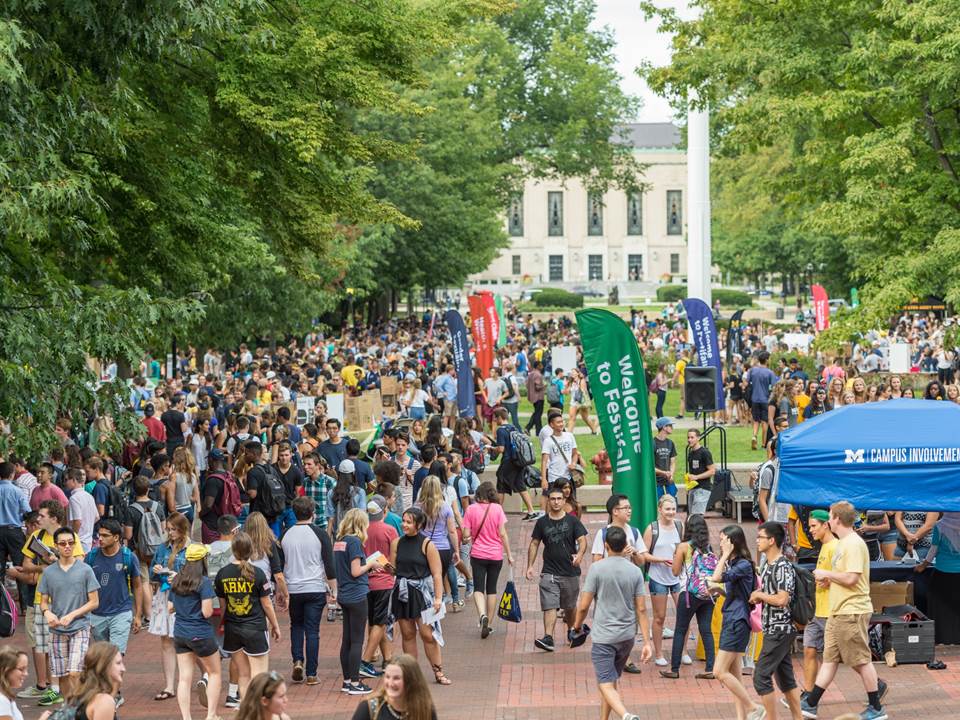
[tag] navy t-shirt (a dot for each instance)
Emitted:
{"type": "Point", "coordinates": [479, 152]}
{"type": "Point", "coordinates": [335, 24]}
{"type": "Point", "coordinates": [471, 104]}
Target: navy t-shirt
{"type": "Point", "coordinates": [114, 573]}
{"type": "Point", "coordinates": [349, 589]}
{"type": "Point", "coordinates": [190, 623]}
{"type": "Point", "coordinates": [503, 440]}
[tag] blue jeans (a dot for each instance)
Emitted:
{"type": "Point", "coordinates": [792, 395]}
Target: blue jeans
{"type": "Point", "coordinates": [306, 609]}
{"type": "Point", "coordinates": [661, 398]}
{"type": "Point", "coordinates": [702, 610]}
{"type": "Point", "coordinates": [452, 577]}
{"type": "Point", "coordinates": [112, 628]}
{"type": "Point", "coordinates": [512, 407]}
{"type": "Point", "coordinates": [287, 519]}
{"type": "Point", "coordinates": [417, 413]}
{"type": "Point", "coordinates": [187, 512]}
{"type": "Point", "coordinates": [670, 488]}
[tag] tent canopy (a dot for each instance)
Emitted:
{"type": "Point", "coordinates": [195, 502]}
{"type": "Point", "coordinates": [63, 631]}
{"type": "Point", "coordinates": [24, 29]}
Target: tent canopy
{"type": "Point", "coordinates": [893, 455]}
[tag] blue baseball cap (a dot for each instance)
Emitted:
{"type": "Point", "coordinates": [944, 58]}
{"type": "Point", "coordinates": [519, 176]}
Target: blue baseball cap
{"type": "Point", "coordinates": [663, 422]}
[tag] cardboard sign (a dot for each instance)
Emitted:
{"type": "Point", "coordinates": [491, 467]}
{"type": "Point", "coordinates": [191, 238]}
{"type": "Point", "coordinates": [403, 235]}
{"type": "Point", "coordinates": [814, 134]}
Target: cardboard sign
{"type": "Point", "coordinates": [305, 409]}
{"type": "Point", "coordinates": [389, 385]}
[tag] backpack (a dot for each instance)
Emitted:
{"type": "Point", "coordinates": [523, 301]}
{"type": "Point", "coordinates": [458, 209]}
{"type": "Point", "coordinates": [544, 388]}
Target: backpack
{"type": "Point", "coordinates": [274, 497]}
{"type": "Point", "coordinates": [755, 505]}
{"type": "Point", "coordinates": [475, 460]}
{"type": "Point", "coordinates": [119, 508]}
{"type": "Point", "coordinates": [153, 492]}
{"type": "Point", "coordinates": [8, 613]}
{"type": "Point", "coordinates": [511, 388]}
{"type": "Point", "coordinates": [553, 393]}
{"type": "Point", "coordinates": [150, 534]}
{"type": "Point", "coordinates": [229, 503]}
{"type": "Point", "coordinates": [803, 604]}
{"type": "Point", "coordinates": [67, 711]}
{"type": "Point", "coordinates": [702, 567]}
{"type": "Point", "coordinates": [523, 455]}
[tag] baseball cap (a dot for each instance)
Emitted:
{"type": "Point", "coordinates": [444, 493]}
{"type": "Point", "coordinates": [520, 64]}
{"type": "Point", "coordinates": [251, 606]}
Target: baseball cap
{"type": "Point", "coordinates": [821, 515]}
{"type": "Point", "coordinates": [376, 506]}
{"type": "Point", "coordinates": [196, 551]}
{"type": "Point", "coordinates": [663, 422]}
{"type": "Point", "coordinates": [217, 454]}
{"type": "Point", "coordinates": [149, 409]}
{"type": "Point", "coordinates": [346, 466]}
{"type": "Point", "coordinates": [271, 374]}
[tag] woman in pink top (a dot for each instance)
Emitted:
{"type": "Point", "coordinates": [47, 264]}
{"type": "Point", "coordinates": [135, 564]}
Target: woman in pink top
{"type": "Point", "coordinates": [485, 524]}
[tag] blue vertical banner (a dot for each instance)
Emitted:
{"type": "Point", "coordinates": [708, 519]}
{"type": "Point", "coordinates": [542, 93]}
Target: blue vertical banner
{"type": "Point", "coordinates": [700, 318]}
{"type": "Point", "coordinates": [460, 346]}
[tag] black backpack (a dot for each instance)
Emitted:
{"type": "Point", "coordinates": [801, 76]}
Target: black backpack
{"type": "Point", "coordinates": [119, 508]}
{"type": "Point", "coordinates": [803, 603]}
{"type": "Point", "coordinates": [271, 496]}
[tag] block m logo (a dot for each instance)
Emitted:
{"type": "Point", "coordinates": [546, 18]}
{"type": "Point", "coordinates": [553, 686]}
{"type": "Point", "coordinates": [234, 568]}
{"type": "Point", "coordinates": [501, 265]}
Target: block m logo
{"type": "Point", "coordinates": [853, 456]}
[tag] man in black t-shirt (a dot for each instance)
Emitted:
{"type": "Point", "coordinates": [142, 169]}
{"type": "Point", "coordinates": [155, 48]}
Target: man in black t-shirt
{"type": "Point", "coordinates": [259, 488]}
{"type": "Point", "coordinates": [564, 543]}
{"type": "Point", "coordinates": [175, 423]}
{"type": "Point", "coordinates": [700, 468]}
{"type": "Point", "coordinates": [292, 479]}
{"type": "Point", "coordinates": [664, 457]}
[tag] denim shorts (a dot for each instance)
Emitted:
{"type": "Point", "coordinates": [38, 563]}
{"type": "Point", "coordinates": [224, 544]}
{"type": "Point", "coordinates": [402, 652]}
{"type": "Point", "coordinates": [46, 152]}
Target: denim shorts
{"type": "Point", "coordinates": [609, 660]}
{"type": "Point", "coordinates": [659, 589]}
{"type": "Point", "coordinates": [735, 636]}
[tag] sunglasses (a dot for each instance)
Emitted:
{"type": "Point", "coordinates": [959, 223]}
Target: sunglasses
{"type": "Point", "coordinates": [65, 543]}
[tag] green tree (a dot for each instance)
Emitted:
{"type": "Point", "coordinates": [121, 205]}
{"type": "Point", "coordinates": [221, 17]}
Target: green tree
{"type": "Point", "coordinates": [865, 92]}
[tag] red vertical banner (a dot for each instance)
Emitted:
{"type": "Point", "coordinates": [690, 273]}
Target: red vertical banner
{"type": "Point", "coordinates": [482, 338]}
{"type": "Point", "coordinates": [493, 317]}
{"type": "Point", "coordinates": [821, 307]}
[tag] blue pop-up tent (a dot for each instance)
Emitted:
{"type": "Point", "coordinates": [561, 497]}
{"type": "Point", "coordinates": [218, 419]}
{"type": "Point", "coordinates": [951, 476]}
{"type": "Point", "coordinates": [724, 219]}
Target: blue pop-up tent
{"type": "Point", "coordinates": [893, 455]}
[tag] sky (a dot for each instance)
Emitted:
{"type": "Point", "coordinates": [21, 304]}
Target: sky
{"type": "Point", "coordinates": [638, 40]}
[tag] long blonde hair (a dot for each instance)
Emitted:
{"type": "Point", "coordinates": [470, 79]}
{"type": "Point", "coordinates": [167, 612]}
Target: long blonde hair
{"type": "Point", "coordinates": [184, 463]}
{"type": "Point", "coordinates": [260, 535]}
{"type": "Point", "coordinates": [355, 522]}
{"type": "Point", "coordinates": [431, 497]}
{"type": "Point", "coordinates": [417, 699]}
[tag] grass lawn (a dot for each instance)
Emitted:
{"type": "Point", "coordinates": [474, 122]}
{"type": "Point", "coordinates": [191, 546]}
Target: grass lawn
{"type": "Point", "coordinates": [738, 440]}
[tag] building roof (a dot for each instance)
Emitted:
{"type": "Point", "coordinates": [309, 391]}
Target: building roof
{"type": "Point", "coordinates": [652, 135]}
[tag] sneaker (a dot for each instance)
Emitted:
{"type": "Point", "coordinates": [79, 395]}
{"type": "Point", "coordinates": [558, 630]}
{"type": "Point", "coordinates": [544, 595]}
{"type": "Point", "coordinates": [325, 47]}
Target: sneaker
{"type": "Point", "coordinates": [686, 659]}
{"type": "Point", "coordinates": [358, 688]}
{"type": "Point", "coordinates": [297, 674]}
{"type": "Point", "coordinates": [871, 713]}
{"type": "Point", "coordinates": [783, 700]}
{"type": "Point", "coordinates": [313, 680]}
{"type": "Point", "coordinates": [232, 702]}
{"type": "Point", "coordinates": [807, 710]}
{"type": "Point", "coordinates": [201, 687]}
{"type": "Point", "coordinates": [758, 713]}
{"type": "Point", "coordinates": [667, 633]}
{"type": "Point", "coordinates": [661, 662]}
{"type": "Point", "coordinates": [119, 701]}
{"type": "Point", "coordinates": [882, 688]}
{"type": "Point", "coordinates": [631, 716]}
{"type": "Point", "coordinates": [31, 693]}
{"type": "Point", "coordinates": [368, 670]}
{"type": "Point", "coordinates": [485, 628]}
{"type": "Point", "coordinates": [50, 697]}
{"type": "Point", "coordinates": [461, 581]}
{"type": "Point", "coordinates": [544, 643]}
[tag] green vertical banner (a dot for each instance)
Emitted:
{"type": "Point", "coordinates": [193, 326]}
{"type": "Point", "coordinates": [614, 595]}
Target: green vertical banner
{"type": "Point", "coordinates": [619, 389]}
{"type": "Point", "coordinates": [854, 298]}
{"type": "Point", "coordinates": [502, 336]}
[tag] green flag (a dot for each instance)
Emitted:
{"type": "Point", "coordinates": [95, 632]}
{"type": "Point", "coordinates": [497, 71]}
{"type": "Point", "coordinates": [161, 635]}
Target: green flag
{"type": "Point", "coordinates": [502, 337]}
{"type": "Point", "coordinates": [619, 389]}
{"type": "Point", "coordinates": [854, 298]}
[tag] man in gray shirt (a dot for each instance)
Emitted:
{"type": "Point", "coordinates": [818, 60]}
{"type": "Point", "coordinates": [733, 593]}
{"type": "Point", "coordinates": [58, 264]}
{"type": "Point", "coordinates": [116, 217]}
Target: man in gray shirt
{"type": "Point", "coordinates": [617, 586]}
{"type": "Point", "coordinates": [68, 592]}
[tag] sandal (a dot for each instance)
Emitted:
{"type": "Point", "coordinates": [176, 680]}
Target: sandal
{"type": "Point", "coordinates": [164, 695]}
{"type": "Point", "coordinates": [439, 676]}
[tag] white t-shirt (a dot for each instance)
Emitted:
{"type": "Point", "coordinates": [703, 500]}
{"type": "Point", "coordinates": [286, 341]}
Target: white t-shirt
{"type": "Point", "coordinates": [634, 539]}
{"type": "Point", "coordinates": [8, 708]}
{"type": "Point", "coordinates": [556, 465]}
{"type": "Point", "coordinates": [667, 541]}
{"type": "Point", "coordinates": [419, 399]}
{"type": "Point", "coordinates": [82, 507]}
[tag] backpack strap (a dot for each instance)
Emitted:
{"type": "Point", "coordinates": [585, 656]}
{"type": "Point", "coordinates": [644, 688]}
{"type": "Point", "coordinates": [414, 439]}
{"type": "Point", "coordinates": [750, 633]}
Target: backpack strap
{"type": "Point", "coordinates": [654, 528]}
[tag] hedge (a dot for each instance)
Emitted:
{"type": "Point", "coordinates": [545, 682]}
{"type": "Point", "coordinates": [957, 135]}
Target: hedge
{"type": "Point", "coordinates": [727, 298]}
{"type": "Point", "coordinates": [555, 297]}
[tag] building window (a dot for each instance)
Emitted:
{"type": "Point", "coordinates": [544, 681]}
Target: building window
{"type": "Point", "coordinates": [674, 212]}
{"type": "Point", "coordinates": [595, 267]}
{"type": "Point", "coordinates": [555, 214]}
{"type": "Point", "coordinates": [634, 214]}
{"type": "Point", "coordinates": [674, 263]}
{"type": "Point", "coordinates": [516, 215]}
{"type": "Point", "coordinates": [594, 214]}
{"type": "Point", "coordinates": [516, 264]}
{"type": "Point", "coordinates": [556, 267]}
{"type": "Point", "coordinates": [635, 267]}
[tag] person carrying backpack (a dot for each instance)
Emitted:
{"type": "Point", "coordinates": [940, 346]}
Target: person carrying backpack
{"type": "Point", "coordinates": [264, 486]}
{"type": "Point", "coordinates": [694, 563]}
{"type": "Point", "coordinates": [662, 537]}
{"type": "Point", "coordinates": [511, 476]}
{"type": "Point", "coordinates": [221, 496]}
{"type": "Point", "coordinates": [777, 586]}
{"type": "Point", "coordinates": [138, 510]}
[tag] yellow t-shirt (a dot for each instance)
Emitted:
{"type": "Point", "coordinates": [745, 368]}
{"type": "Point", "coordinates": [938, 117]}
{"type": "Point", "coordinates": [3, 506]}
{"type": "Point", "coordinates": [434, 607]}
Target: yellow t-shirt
{"type": "Point", "coordinates": [681, 368]}
{"type": "Point", "coordinates": [802, 401]}
{"type": "Point", "coordinates": [47, 539]}
{"type": "Point", "coordinates": [851, 555]}
{"type": "Point", "coordinates": [824, 562]}
{"type": "Point", "coordinates": [349, 375]}
{"type": "Point", "coordinates": [803, 542]}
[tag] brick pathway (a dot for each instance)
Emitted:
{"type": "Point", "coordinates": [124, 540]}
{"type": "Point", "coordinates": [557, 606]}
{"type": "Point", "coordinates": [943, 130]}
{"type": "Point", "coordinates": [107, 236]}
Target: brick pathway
{"type": "Point", "coordinates": [506, 678]}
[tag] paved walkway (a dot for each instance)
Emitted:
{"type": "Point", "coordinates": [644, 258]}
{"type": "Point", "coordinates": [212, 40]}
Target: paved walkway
{"type": "Point", "coordinates": [506, 678]}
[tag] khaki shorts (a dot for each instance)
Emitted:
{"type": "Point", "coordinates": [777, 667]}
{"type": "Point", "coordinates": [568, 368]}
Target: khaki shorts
{"type": "Point", "coordinates": [846, 641]}
{"type": "Point", "coordinates": [449, 408]}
